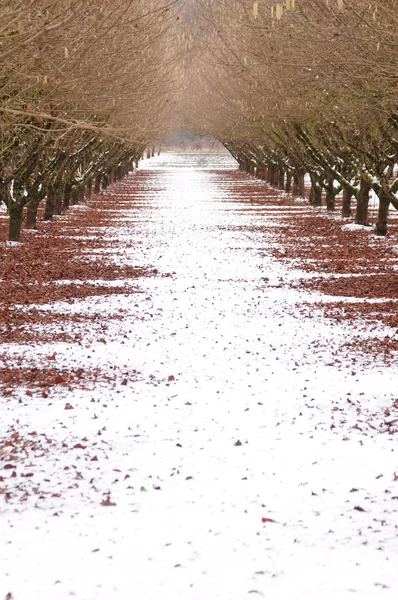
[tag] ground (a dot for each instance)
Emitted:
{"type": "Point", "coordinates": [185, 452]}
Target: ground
{"type": "Point", "coordinates": [197, 402]}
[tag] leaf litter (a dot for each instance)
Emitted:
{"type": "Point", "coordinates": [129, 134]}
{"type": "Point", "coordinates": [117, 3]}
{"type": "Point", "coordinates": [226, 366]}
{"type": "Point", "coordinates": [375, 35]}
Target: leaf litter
{"type": "Point", "coordinates": [119, 471]}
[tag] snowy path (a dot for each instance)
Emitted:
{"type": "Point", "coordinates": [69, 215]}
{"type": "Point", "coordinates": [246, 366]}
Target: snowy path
{"type": "Point", "coordinates": [230, 464]}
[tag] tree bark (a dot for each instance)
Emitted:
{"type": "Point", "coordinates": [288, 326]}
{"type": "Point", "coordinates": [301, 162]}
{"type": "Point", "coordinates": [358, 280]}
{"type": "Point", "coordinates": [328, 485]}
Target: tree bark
{"type": "Point", "coordinates": [15, 212]}
{"type": "Point", "coordinates": [97, 184]}
{"type": "Point", "coordinates": [330, 195]}
{"type": "Point", "coordinates": [281, 178]}
{"type": "Point", "coordinates": [361, 213]}
{"type": "Point", "coordinates": [89, 188]}
{"type": "Point", "coordinates": [31, 211]}
{"type": "Point", "coordinates": [74, 196]}
{"type": "Point", "coordinates": [50, 205]}
{"type": "Point", "coordinates": [288, 185]}
{"type": "Point", "coordinates": [80, 195]}
{"type": "Point", "coordinates": [346, 208]}
{"type": "Point", "coordinates": [382, 217]}
{"type": "Point", "coordinates": [67, 195]}
{"type": "Point", "coordinates": [298, 185]}
{"type": "Point", "coordinates": [58, 203]}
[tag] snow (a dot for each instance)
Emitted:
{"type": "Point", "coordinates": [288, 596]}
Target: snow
{"type": "Point", "coordinates": [187, 522]}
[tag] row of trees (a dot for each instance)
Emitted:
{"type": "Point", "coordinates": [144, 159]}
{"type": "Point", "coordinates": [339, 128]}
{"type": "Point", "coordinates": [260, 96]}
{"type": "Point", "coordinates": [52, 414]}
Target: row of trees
{"type": "Point", "coordinates": [304, 86]}
{"type": "Point", "coordinates": [85, 87]}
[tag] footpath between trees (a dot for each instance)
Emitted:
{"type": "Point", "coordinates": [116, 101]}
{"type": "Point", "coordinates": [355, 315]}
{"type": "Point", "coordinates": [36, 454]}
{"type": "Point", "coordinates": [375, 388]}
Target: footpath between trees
{"type": "Point", "coordinates": [198, 396]}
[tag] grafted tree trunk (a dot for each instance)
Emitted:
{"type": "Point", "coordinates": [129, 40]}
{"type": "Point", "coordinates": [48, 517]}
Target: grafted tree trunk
{"type": "Point", "coordinates": [382, 217]}
{"type": "Point", "coordinates": [361, 214]}
{"type": "Point", "coordinates": [346, 208]}
{"type": "Point", "coordinates": [50, 205]}
{"type": "Point", "coordinates": [15, 211]}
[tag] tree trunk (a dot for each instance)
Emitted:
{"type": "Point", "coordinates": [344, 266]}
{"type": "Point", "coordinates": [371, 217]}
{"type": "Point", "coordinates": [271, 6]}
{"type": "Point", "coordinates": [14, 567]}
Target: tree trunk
{"type": "Point", "coordinates": [97, 184]}
{"type": "Point", "coordinates": [80, 195]}
{"type": "Point", "coordinates": [67, 194]}
{"type": "Point", "coordinates": [281, 178]}
{"type": "Point", "coordinates": [346, 208]}
{"type": "Point", "coordinates": [330, 195]}
{"type": "Point", "coordinates": [105, 181]}
{"type": "Point", "coordinates": [315, 198]}
{"type": "Point", "coordinates": [50, 205]}
{"type": "Point", "coordinates": [58, 203]}
{"type": "Point", "coordinates": [381, 224]}
{"type": "Point", "coordinates": [273, 180]}
{"type": "Point", "coordinates": [361, 214]}
{"type": "Point", "coordinates": [89, 188]}
{"type": "Point", "coordinates": [74, 196]}
{"type": "Point", "coordinates": [31, 211]}
{"type": "Point", "coordinates": [298, 185]}
{"type": "Point", "coordinates": [288, 185]}
{"type": "Point", "coordinates": [15, 212]}
{"type": "Point", "coordinates": [301, 185]}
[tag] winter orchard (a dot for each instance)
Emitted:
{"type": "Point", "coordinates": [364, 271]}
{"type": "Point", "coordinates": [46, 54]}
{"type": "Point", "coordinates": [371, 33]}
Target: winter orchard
{"type": "Point", "coordinates": [290, 88]}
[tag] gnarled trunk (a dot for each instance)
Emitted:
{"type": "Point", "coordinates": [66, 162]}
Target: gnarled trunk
{"type": "Point", "coordinates": [381, 224]}
{"type": "Point", "coordinates": [298, 185]}
{"type": "Point", "coordinates": [67, 196]}
{"type": "Point", "coordinates": [281, 178]}
{"type": "Point", "coordinates": [31, 211]}
{"type": "Point", "coordinates": [50, 205]}
{"type": "Point", "coordinates": [361, 214]}
{"type": "Point", "coordinates": [89, 188]}
{"type": "Point", "coordinates": [315, 192]}
{"type": "Point", "coordinates": [97, 184]}
{"type": "Point", "coordinates": [346, 208]}
{"type": "Point", "coordinates": [58, 203]}
{"type": "Point", "coordinates": [330, 195]}
{"type": "Point", "coordinates": [288, 185]}
{"type": "Point", "coordinates": [15, 212]}
{"type": "Point", "coordinates": [74, 196]}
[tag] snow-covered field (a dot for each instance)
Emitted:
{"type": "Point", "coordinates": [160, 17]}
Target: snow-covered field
{"type": "Point", "coordinates": [243, 461]}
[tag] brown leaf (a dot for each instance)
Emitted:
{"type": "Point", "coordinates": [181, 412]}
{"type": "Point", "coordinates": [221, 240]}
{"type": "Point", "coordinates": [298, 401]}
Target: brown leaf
{"type": "Point", "coordinates": [107, 501]}
{"type": "Point", "coordinates": [68, 406]}
{"type": "Point", "coordinates": [171, 378]}
{"type": "Point", "coordinates": [267, 520]}
{"type": "Point", "coordinates": [359, 508]}
{"type": "Point", "coordinates": [238, 443]}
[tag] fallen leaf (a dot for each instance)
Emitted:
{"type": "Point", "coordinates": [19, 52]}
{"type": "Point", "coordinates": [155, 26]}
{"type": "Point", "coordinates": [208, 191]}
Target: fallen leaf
{"type": "Point", "coordinates": [107, 501]}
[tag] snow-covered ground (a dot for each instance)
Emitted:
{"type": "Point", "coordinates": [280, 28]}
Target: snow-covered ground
{"type": "Point", "coordinates": [242, 461]}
